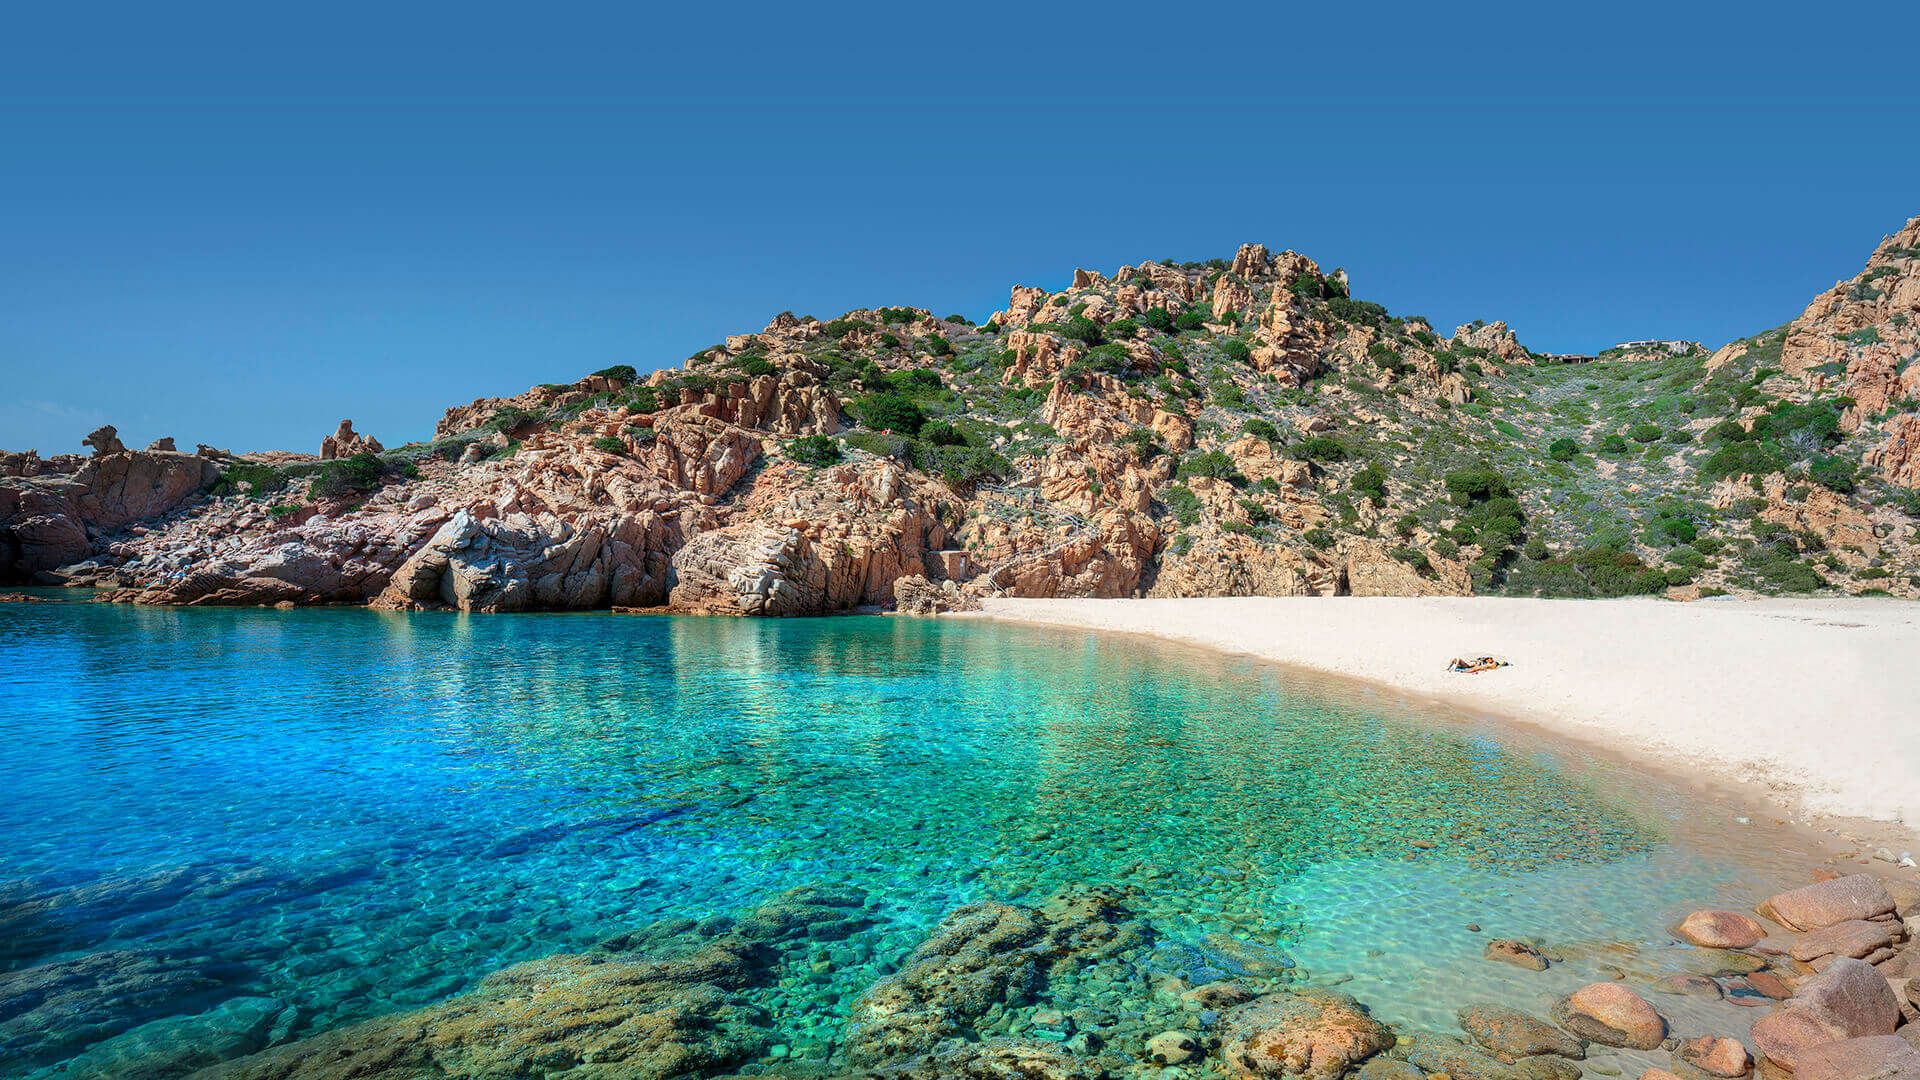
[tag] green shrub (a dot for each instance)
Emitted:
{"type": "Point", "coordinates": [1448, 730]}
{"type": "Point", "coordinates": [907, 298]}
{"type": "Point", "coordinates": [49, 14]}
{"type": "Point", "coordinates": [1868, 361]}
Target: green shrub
{"type": "Point", "coordinates": [1318, 448]}
{"type": "Point", "coordinates": [1645, 433]}
{"type": "Point", "coordinates": [1082, 329]}
{"type": "Point", "coordinates": [1320, 538]}
{"type": "Point", "coordinates": [1371, 482]}
{"type": "Point", "coordinates": [1227, 394]}
{"type": "Point", "coordinates": [1563, 449]}
{"type": "Point", "coordinates": [1476, 484]}
{"type": "Point", "coordinates": [1190, 319]}
{"type": "Point", "coordinates": [1834, 473]}
{"type": "Point", "coordinates": [1536, 549]}
{"type": "Point", "coordinates": [754, 367]}
{"type": "Point", "coordinates": [610, 444]}
{"type": "Point", "coordinates": [1610, 444]}
{"type": "Point", "coordinates": [936, 346]}
{"type": "Point", "coordinates": [1122, 329]}
{"type": "Point", "coordinates": [1260, 429]}
{"type": "Point", "coordinates": [1158, 318]}
{"type": "Point", "coordinates": [1358, 312]}
{"type": "Point", "coordinates": [890, 411]}
{"type": "Point", "coordinates": [840, 328]}
{"type": "Point", "coordinates": [1738, 458]}
{"type": "Point", "coordinates": [1214, 465]}
{"type": "Point", "coordinates": [623, 372]}
{"type": "Point", "coordinates": [360, 472]}
{"type": "Point", "coordinates": [941, 433]}
{"type": "Point", "coordinates": [1184, 504]}
{"type": "Point", "coordinates": [1145, 444]}
{"type": "Point", "coordinates": [1257, 514]}
{"type": "Point", "coordinates": [1594, 572]}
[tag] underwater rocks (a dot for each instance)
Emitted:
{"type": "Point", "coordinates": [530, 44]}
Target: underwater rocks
{"type": "Point", "coordinates": [49, 1010]}
{"type": "Point", "coordinates": [1612, 1015]}
{"type": "Point", "coordinates": [667, 1000]}
{"type": "Point", "coordinates": [1463, 1061]}
{"type": "Point", "coordinates": [588, 1014]}
{"type": "Point", "coordinates": [979, 956]}
{"type": "Point", "coordinates": [1318, 1034]}
{"type": "Point", "coordinates": [1517, 953]}
{"type": "Point", "coordinates": [1511, 1034]}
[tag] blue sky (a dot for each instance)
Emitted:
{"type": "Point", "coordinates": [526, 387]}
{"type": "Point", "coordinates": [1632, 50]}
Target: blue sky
{"type": "Point", "coordinates": [236, 225]}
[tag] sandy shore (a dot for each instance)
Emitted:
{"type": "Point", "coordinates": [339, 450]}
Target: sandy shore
{"type": "Point", "coordinates": [1816, 701]}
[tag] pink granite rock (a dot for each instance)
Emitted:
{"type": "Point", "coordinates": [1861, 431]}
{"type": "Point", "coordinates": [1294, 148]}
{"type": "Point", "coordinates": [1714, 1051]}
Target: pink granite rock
{"type": "Point", "coordinates": [1716, 1056]}
{"type": "Point", "coordinates": [1720, 929]}
{"type": "Point", "coordinates": [1878, 1057]}
{"type": "Point", "coordinates": [1612, 1015]}
{"type": "Point", "coordinates": [1855, 937]}
{"type": "Point", "coordinates": [1810, 907]}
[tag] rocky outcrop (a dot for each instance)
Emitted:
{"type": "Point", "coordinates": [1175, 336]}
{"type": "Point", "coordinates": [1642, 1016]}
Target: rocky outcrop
{"type": "Point", "coordinates": [1496, 337]}
{"type": "Point", "coordinates": [105, 440]}
{"type": "Point", "coordinates": [346, 442]}
{"type": "Point", "coordinates": [49, 521]}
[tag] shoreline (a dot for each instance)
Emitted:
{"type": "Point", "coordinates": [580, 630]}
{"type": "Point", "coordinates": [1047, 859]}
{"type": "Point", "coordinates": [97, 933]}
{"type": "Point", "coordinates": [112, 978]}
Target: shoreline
{"type": "Point", "coordinates": [1797, 703]}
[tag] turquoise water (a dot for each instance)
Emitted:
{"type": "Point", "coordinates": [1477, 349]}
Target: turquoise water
{"type": "Point", "coordinates": [333, 814]}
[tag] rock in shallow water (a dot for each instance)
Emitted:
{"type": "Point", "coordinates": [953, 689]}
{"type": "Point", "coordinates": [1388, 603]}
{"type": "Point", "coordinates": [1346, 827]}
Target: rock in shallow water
{"type": "Point", "coordinates": [1612, 1015]}
{"type": "Point", "coordinates": [1512, 1034]}
{"type": "Point", "coordinates": [1318, 1034]}
{"type": "Point", "coordinates": [1517, 953]}
{"type": "Point", "coordinates": [1720, 929]}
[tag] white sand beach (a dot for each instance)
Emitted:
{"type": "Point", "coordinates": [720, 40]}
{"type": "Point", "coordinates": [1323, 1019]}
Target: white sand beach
{"type": "Point", "coordinates": [1816, 701]}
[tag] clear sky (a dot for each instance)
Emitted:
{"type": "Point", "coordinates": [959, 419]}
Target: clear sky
{"type": "Point", "coordinates": [238, 224]}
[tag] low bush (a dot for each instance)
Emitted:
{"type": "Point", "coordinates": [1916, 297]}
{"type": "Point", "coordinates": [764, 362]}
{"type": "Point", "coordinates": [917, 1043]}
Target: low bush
{"type": "Point", "coordinates": [814, 450]}
{"type": "Point", "coordinates": [1318, 448]}
{"type": "Point", "coordinates": [890, 411]}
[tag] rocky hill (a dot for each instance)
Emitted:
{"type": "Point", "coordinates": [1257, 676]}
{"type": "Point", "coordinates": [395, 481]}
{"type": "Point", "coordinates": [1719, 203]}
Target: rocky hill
{"type": "Point", "coordinates": [1242, 427]}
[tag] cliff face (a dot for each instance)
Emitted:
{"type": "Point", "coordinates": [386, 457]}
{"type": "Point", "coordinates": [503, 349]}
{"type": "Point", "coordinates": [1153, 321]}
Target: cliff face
{"type": "Point", "coordinates": [1242, 427]}
{"type": "Point", "coordinates": [52, 511]}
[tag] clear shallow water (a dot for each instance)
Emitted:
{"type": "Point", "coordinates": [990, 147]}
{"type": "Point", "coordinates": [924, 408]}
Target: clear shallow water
{"type": "Point", "coordinates": [328, 815]}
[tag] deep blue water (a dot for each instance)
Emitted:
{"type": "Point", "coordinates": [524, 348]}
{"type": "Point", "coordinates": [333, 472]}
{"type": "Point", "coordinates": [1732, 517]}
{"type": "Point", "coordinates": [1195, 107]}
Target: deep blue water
{"type": "Point", "coordinates": [331, 814]}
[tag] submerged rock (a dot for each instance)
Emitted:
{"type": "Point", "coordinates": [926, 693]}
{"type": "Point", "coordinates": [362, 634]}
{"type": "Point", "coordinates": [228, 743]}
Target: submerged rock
{"type": "Point", "coordinates": [1511, 1034]}
{"type": "Point", "coordinates": [629, 1017]}
{"type": "Point", "coordinates": [1517, 953]}
{"type": "Point", "coordinates": [981, 955]}
{"type": "Point", "coordinates": [1463, 1061]}
{"type": "Point", "coordinates": [49, 1010]}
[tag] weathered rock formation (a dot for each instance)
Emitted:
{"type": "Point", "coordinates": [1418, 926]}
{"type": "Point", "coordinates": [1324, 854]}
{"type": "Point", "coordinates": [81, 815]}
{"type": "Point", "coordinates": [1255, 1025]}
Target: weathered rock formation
{"type": "Point", "coordinates": [346, 442]}
{"type": "Point", "coordinates": [49, 520]}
